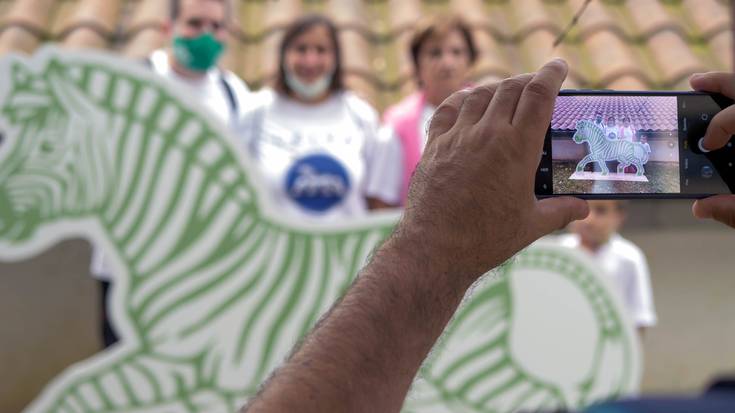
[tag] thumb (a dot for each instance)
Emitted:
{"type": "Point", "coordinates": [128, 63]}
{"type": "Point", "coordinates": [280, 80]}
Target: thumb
{"type": "Point", "coordinates": [555, 213]}
{"type": "Point", "coordinates": [719, 207]}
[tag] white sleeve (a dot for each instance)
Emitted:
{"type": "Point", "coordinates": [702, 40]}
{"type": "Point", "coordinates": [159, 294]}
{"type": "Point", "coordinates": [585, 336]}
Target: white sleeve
{"type": "Point", "coordinates": [642, 297]}
{"type": "Point", "coordinates": [99, 268]}
{"type": "Point", "coordinates": [384, 167]}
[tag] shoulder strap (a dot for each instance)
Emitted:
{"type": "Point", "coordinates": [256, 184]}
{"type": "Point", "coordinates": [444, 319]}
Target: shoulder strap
{"type": "Point", "coordinates": [230, 94]}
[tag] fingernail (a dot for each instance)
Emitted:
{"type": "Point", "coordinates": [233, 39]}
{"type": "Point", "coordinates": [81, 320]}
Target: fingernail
{"type": "Point", "coordinates": [695, 76]}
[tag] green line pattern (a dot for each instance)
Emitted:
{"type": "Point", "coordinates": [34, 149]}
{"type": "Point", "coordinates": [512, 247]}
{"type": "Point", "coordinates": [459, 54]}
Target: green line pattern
{"type": "Point", "coordinates": [213, 291]}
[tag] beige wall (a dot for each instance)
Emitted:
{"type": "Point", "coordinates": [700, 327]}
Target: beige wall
{"type": "Point", "coordinates": [48, 306]}
{"type": "Point", "coordinates": [48, 313]}
{"type": "Point", "coordinates": [693, 278]}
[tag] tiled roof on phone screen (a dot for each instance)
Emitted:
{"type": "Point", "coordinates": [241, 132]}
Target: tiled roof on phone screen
{"type": "Point", "coordinates": [651, 113]}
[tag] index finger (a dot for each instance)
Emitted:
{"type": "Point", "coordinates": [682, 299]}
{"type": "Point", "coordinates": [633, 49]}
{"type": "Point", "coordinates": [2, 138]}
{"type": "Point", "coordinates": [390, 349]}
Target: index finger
{"type": "Point", "coordinates": [716, 82]}
{"type": "Point", "coordinates": [536, 104]}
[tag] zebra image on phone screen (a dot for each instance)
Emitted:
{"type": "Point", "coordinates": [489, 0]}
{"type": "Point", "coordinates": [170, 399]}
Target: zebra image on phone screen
{"type": "Point", "coordinates": [214, 287]}
{"type": "Point", "coordinates": [603, 149]}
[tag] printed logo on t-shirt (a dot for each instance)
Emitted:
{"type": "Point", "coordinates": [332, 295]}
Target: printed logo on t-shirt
{"type": "Point", "coordinates": [317, 182]}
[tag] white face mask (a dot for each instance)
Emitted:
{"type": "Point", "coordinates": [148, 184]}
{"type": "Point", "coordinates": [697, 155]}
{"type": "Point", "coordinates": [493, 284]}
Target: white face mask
{"type": "Point", "coordinates": [308, 91]}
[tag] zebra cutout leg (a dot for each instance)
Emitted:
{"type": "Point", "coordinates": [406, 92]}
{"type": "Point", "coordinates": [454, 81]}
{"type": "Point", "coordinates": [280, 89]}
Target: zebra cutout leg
{"type": "Point", "coordinates": [603, 165]}
{"type": "Point", "coordinates": [587, 159]}
{"type": "Point", "coordinates": [639, 171]}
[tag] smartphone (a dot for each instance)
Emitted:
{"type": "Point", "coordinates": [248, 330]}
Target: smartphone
{"type": "Point", "coordinates": [625, 145]}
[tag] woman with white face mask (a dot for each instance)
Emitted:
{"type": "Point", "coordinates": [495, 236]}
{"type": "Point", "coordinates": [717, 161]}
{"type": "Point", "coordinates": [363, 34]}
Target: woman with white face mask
{"type": "Point", "coordinates": [313, 141]}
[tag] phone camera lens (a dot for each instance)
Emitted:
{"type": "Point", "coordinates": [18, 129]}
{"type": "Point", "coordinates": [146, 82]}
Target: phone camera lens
{"type": "Point", "coordinates": [707, 172]}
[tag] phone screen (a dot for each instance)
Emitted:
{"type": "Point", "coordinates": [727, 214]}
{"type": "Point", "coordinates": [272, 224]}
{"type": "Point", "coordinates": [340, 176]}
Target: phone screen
{"type": "Point", "coordinates": [633, 144]}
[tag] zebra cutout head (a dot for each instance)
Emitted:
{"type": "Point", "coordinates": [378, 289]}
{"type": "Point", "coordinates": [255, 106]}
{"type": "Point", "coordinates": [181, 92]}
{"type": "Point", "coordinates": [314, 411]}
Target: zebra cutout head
{"type": "Point", "coordinates": [214, 291]}
{"type": "Point", "coordinates": [47, 142]}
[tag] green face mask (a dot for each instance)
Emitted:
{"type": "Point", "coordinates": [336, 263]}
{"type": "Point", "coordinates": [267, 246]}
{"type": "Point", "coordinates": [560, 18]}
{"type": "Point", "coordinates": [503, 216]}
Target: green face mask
{"type": "Point", "coordinates": [197, 54]}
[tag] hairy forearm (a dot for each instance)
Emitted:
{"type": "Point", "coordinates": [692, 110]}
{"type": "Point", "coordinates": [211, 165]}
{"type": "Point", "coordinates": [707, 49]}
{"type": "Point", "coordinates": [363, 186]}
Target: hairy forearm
{"type": "Point", "coordinates": [364, 355]}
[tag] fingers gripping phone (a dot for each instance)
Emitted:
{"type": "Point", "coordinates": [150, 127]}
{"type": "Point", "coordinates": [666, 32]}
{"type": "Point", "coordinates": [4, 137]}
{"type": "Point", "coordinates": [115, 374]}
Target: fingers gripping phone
{"type": "Point", "coordinates": [623, 145]}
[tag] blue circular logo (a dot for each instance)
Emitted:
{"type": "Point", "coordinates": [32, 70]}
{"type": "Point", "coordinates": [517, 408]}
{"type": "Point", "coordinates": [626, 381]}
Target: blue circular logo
{"type": "Point", "coordinates": [317, 182]}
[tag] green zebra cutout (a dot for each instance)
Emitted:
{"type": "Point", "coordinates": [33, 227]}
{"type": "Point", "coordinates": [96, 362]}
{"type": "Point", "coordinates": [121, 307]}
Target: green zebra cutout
{"type": "Point", "coordinates": [513, 345]}
{"type": "Point", "coordinates": [214, 287]}
{"type": "Point", "coordinates": [603, 149]}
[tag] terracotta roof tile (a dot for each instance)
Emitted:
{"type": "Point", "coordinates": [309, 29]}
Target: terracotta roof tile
{"type": "Point", "coordinates": [144, 31]}
{"type": "Point", "coordinates": [611, 57]}
{"type": "Point", "coordinates": [91, 24]}
{"type": "Point", "coordinates": [707, 15]}
{"type": "Point", "coordinates": [24, 25]}
{"type": "Point", "coordinates": [357, 62]}
{"type": "Point", "coordinates": [675, 60]}
{"type": "Point", "coordinates": [626, 44]}
{"type": "Point", "coordinates": [722, 49]}
{"type": "Point", "coordinates": [530, 16]}
{"type": "Point", "coordinates": [650, 16]}
{"type": "Point", "coordinates": [596, 17]}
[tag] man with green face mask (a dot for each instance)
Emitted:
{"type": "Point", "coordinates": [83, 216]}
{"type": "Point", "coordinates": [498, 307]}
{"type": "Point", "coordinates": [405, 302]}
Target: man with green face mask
{"type": "Point", "coordinates": [197, 36]}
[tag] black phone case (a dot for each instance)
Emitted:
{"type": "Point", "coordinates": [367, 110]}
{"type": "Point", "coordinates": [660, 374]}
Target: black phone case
{"type": "Point", "coordinates": [723, 160]}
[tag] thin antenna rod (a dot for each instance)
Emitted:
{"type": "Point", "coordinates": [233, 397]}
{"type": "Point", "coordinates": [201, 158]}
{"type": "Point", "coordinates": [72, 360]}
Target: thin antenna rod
{"type": "Point", "coordinates": [571, 24]}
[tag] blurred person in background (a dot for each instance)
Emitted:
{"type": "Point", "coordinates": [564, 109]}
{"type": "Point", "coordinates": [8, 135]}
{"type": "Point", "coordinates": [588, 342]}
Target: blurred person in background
{"type": "Point", "coordinates": [611, 128]}
{"type": "Point", "coordinates": [627, 131]}
{"type": "Point", "coordinates": [196, 34]}
{"type": "Point", "coordinates": [443, 52]}
{"type": "Point", "coordinates": [313, 141]}
{"type": "Point", "coordinates": [619, 259]}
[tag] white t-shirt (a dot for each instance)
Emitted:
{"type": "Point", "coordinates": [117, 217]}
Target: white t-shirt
{"type": "Point", "coordinates": [611, 132]}
{"type": "Point", "coordinates": [625, 265]}
{"type": "Point", "coordinates": [317, 160]}
{"type": "Point", "coordinates": [390, 153]}
{"type": "Point", "coordinates": [627, 133]}
{"type": "Point", "coordinates": [208, 90]}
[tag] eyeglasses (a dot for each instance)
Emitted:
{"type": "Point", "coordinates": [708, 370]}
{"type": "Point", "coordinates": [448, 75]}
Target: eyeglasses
{"type": "Point", "coordinates": [198, 23]}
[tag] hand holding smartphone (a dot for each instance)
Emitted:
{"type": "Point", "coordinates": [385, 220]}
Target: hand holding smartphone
{"type": "Point", "coordinates": [618, 145]}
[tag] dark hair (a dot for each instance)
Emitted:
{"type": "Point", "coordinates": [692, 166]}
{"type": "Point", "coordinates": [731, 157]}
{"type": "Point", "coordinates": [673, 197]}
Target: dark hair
{"type": "Point", "coordinates": [175, 8]}
{"type": "Point", "coordinates": [440, 26]}
{"type": "Point", "coordinates": [296, 29]}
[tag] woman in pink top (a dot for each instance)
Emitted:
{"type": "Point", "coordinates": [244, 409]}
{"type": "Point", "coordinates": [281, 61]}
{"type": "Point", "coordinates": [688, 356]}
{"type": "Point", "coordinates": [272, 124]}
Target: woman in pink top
{"type": "Point", "coordinates": [443, 51]}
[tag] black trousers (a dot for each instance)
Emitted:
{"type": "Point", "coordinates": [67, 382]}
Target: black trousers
{"type": "Point", "coordinates": [109, 337]}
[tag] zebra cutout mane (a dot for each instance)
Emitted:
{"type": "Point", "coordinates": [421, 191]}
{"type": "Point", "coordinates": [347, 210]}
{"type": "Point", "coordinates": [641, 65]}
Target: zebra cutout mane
{"type": "Point", "coordinates": [213, 287]}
